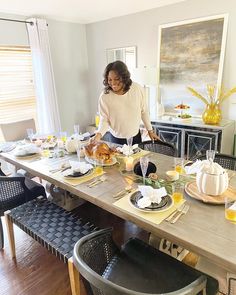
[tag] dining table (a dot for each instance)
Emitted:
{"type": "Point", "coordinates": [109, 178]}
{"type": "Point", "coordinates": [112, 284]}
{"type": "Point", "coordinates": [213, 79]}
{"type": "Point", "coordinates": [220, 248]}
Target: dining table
{"type": "Point", "coordinates": [204, 230]}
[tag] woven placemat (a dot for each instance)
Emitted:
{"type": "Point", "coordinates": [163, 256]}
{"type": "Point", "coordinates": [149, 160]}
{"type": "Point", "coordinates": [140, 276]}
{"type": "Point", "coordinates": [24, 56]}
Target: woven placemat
{"type": "Point", "coordinates": [192, 190]}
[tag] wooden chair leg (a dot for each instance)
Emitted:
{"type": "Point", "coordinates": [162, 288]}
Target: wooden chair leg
{"type": "Point", "coordinates": [10, 232]}
{"type": "Point", "coordinates": [77, 286]}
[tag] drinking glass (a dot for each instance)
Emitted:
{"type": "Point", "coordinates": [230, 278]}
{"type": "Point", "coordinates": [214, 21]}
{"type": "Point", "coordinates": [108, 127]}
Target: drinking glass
{"type": "Point", "coordinates": [210, 155]}
{"type": "Point", "coordinates": [63, 136]}
{"type": "Point", "coordinates": [179, 165]}
{"type": "Point", "coordinates": [129, 143]}
{"type": "Point", "coordinates": [144, 166]}
{"type": "Point", "coordinates": [177, 192]}
{"type": "Point", "coordinates": [30, 133]}
{"type": "Point", "coordinates": [78, 151]}
{"type": "Point", "coordinates": [230, 208]}
{"type": "Point", "coordinates": [76, 129]}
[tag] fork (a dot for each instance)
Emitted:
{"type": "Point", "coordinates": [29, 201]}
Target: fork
{"type": "Point", "coordinates": [101, 179]}
{"type": "Point", "coordinates": [182, 212]}
{"type": "Point", "coordinates": [177, 210]}
{"type": "Point", "coordinates": [123, 192]}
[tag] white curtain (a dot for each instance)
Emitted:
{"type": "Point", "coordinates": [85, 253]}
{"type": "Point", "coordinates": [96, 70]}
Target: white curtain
{"type": "Point", "coordinates": [47, 107]}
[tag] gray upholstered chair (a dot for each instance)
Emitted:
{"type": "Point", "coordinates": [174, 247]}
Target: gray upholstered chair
{"type": "Point", "coordinates": [136, 269]}
{"type": "Point", "coordinates": [17, 130]}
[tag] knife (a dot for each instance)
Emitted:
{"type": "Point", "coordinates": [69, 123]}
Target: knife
{"type": "Point", "coordinates": [184, 211]}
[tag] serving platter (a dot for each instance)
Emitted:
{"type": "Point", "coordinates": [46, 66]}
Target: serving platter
{"type": "Point", "coordinates": [192, 190]}
{"type": "Point", "coordinates": [165, 204]}
{"type": "Point", "coordinates": [99, 163]}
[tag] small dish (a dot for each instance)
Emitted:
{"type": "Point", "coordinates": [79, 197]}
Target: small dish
{"type": "Point", "coordinates": [165, 204]}
{"type": "Point", "coordinates": [73, 175]}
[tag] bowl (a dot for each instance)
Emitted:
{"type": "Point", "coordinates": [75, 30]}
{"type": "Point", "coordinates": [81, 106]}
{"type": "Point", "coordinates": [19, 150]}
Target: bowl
{"type": "Point", "coordinates": [151, 169]}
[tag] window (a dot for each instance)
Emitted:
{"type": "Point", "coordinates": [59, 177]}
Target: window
{"type": "Point", "coordinates": [17, 93]}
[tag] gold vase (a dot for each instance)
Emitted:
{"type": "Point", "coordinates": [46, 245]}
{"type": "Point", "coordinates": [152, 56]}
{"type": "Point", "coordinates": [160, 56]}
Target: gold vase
{"type": "Point", "coordinates": [212, 114]}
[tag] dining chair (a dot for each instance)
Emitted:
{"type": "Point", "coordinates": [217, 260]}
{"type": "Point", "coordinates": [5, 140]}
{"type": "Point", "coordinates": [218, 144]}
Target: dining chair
{"type": "Point", "coordinates": [159, 146]}
{"type": "Point", "coordinates": [14, 191]}
{"type": "Point", "coordinates": [135, 269]}
{"type": "Point", "coordinates": [17, 130]}
{"type": "Point", "coordinates": [226, 161]}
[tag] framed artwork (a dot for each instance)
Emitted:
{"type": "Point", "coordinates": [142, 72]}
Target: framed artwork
{"type": "Point", "coordinates": [191, 53]}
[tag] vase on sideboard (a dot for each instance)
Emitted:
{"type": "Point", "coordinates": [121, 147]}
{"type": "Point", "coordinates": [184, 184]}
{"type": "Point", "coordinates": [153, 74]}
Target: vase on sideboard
{"type": "Point", "coordinates": [212, 114]}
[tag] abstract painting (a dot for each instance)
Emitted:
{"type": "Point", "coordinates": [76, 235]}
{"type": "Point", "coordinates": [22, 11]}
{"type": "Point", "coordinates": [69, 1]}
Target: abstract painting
{"type": "Point", "coordinates": [191, 53]}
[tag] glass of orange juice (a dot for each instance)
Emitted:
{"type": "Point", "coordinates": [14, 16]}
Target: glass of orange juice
{"type": "Point", "coordinates": [230, 208]}
{"type": "Point", "coordinates": [63, 136]}
{"type": "Point", "coordinates": [97, 119]}
{"type": "Point", "coordinates": [177, 192]}
{"type": "Point", "coordinates": [98, 166]}
{"type": "Point", "coordinates": [179, 165]}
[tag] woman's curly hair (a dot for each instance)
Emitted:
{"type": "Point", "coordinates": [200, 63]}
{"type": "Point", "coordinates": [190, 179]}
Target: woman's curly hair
{"type": "Point", "coordinates": [121, 70]}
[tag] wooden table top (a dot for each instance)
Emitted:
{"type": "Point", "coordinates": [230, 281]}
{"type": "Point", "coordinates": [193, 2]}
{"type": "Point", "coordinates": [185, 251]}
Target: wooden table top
{"type": "Point", "coordinates": [203, 230]}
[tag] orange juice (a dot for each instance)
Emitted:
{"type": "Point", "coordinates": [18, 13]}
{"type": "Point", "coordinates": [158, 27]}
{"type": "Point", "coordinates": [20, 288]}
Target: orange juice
{"type": "Point", "coordinates": [46, 153]}
{"type": "Point", "coordinates": [177, 197]}
{"type": "Point", "coordinates": [179, 169]}
{"type": "Point", "coordinates": [98, 169]}
{"type": "Point", "coordinates": [63, 138]}
{"type": "Point", "coordinates": [97, 120]}
{"type": "Point", "coordinates": [230, 214]}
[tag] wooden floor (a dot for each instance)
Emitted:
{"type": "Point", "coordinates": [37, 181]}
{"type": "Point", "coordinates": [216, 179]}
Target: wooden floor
{"type": "Point", "coordinates": [37, 272]}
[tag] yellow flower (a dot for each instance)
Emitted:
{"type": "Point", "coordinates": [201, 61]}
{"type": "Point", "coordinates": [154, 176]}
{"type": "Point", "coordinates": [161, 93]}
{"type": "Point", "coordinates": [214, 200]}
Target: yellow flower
{"type": "Point", "coordinates": [211, 93]}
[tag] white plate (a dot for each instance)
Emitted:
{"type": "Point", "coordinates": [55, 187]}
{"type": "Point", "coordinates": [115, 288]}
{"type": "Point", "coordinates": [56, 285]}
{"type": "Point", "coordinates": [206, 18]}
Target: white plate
{"type": "Point", "coordinates": [25, 155]}
{"type": "Point", "coordinates": [165, 204]}
{"type": "Point", "coordinates": [94, 162]}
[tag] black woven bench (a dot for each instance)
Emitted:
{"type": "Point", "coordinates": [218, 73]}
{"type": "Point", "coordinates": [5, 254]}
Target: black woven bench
{"type": "Point", "coordinates": [53, 227]}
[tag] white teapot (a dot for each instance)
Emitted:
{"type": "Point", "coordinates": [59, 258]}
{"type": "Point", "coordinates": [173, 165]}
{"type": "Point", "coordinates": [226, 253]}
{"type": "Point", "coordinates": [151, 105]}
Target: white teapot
{"type": "Point", "coordinates": [212, 179]}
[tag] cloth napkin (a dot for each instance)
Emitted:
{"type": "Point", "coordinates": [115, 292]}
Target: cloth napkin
{"type": "Point", "coordinates": [150, 195]}
{"type": "Point", "coordinates": [127, 150]}
{"type": "Point", "coordinates": [194, 168]}
{"type": "Point", "coordinates": [26, 149]}
{"type": "Point", "coordinates": [81, 136]}
{"type": "Point", "coordinates": [81, 167]}
{"type": "Point", "coordinates": [207, 166]}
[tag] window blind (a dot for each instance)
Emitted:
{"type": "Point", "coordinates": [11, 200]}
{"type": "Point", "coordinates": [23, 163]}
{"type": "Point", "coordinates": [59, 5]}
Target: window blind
{"type": "Point", "coordinates": [17, 93]}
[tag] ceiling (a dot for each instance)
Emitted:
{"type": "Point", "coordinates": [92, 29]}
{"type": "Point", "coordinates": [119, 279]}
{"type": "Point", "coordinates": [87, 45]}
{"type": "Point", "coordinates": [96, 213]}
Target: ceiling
{"type": "Point", "coordinates": [79, 11]}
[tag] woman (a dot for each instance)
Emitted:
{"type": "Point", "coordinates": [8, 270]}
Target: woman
{"type": "Point", "coordinates": [122, 106]}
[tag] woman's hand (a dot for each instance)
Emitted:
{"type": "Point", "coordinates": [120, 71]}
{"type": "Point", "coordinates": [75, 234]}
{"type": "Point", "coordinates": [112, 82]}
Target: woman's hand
{"type": "Point", "coordinates": [97, 137]}
{"type": "Point", "coordinates": [153, 135]}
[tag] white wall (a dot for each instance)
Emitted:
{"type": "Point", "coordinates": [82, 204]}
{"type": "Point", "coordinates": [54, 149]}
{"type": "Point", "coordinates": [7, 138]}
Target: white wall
{"type": "Point", "coordinates": [141, 29]}
{"type": "Point", "coordinates": [70, 63]}
{"type": "Point", "coordinates": [69, 56]}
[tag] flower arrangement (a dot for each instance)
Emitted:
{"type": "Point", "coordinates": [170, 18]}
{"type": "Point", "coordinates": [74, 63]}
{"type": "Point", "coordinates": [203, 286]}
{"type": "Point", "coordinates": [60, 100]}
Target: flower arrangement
{"type": "Point", "coordinates": [212, 113]}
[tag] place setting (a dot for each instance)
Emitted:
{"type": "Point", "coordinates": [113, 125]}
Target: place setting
{"type": "Point", "coordinates": [130, 150]}
{"type": "Point", "coordinates": [78, 172]}
{"type": "Point", "coordinates": [211, 183]}
{"type": "Point", "coordinates": [25, 151]}
{"type": "Point", "coordinates": [153, 204]}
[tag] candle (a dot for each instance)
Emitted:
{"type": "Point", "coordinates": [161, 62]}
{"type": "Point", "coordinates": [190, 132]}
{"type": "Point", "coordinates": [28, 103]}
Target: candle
{"type": "Point", "coordinates": [172, 175]}
{"type": "Point", "coordinates": [129, 164]}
